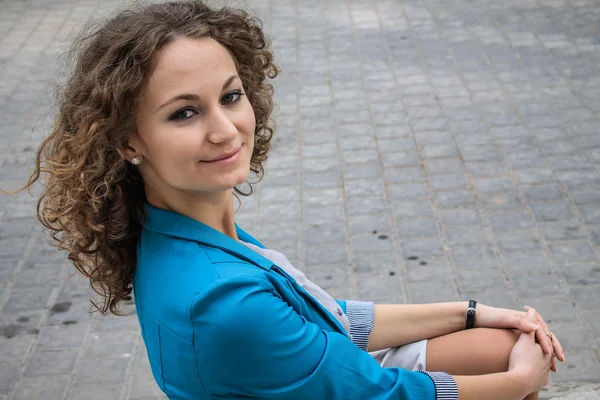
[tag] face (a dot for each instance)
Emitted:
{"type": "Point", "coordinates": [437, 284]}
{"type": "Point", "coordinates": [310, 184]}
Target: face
{"type": "Point", "coordinates": [195, 124]}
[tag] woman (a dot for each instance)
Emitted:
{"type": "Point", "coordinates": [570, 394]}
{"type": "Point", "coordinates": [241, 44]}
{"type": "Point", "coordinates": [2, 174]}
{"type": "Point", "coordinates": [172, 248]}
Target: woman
{"type": "Point", "coordinates": [166, 113]}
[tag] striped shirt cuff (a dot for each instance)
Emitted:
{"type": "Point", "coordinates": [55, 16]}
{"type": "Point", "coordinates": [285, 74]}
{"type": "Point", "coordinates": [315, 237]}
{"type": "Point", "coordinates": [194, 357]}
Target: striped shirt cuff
{"type": "Point", "coordinates": [445, 386]}
{"type": "Point", "coordinates": [361, 315]}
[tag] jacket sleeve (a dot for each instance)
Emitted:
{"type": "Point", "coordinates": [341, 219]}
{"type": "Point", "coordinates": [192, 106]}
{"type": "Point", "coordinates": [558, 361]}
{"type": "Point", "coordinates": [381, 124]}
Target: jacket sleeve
{"type": "Point", "coordinates": [250, 343]}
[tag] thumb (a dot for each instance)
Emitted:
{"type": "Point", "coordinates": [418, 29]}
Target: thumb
{"type": "Point", "coordinates": [531, 319]}
{"type": "Point", "coordinates": [528, 323]}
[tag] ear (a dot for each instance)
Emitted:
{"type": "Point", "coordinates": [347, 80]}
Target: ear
{"type": "Point", "coordinates": [134, 147]}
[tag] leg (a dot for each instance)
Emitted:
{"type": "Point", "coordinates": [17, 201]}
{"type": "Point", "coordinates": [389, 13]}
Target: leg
{"type": "Point", "coordinates": [472, 352]}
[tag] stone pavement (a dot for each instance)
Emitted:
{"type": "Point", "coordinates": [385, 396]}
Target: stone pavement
{"type": "Point", "coordinates": [426, 150]}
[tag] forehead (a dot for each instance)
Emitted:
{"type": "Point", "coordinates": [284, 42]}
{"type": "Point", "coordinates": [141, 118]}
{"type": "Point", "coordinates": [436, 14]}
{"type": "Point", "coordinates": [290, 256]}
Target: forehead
{"type": "Point", "coordinates": [201, 62]}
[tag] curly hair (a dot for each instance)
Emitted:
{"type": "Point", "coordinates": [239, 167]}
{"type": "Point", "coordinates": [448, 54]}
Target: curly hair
{"type": "Point", "coordinates": [93, 200]}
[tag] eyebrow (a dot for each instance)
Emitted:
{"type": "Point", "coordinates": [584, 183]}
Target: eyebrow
{"type": "Point", "coordinates": [194, 97]}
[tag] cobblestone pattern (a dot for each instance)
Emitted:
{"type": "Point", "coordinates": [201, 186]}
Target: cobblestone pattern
{"type": "Point", "coordinates": [426, 151]}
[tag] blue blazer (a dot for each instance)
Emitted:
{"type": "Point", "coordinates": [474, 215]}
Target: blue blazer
{"type": "Point", "coordinates": [219, 321]}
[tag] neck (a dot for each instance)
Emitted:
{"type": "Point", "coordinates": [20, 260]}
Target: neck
{"type": "Point", "coordinates": [212, 209]}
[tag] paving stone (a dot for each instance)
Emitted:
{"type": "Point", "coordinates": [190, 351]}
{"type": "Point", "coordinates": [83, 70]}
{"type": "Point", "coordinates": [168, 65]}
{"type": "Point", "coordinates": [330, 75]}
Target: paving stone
{"type": "Point", "coordinates": [362, 224]}
{"type": "Point", "coordinates": [474, 257]}
{"type": "Point", "coordinates": [563, 230]}
{"type": "Point", "coordinates": [361, 171]}
{"type": "Point", "coordinates": [525, 263]}
{"type": "Point", "coordinates": [454, 199]}
{"type": "Point", "coordinates": [555, 211]}
{"type": "Point", "coordinates": [404, 175]}
{"type": "Point", "coordinates": [581, 273]}
{"type": "Point", "coordinates": [571, 252]}
{"type": "Point", "coordinates": [422, 227]}
{"type": "Point", "coordinates": [51, 363]}
{"type": "Point", "coordinates": [585, 194]}
{"type": "Point", "coordinates": [28, 299]}
{"type": "Point", "coordinates": [424, 249]}
{"type": "Point", "coordinates": [427, 270]}
{"type": "Point", "coordinates": [543, 285]}
{"type": "Point", "coordinates": [573, 179]}
{"type": "Point", "coordinates": [443, 166]}
{"type": "Point", "coordinates": [459, 216]}
{"type": "Point", "coordinates": [590, 213]}
{"type": "Point", "coordinates": [366, 205]}
{"type": "Point", "coordinates": [495, 184]}
{"type": "Point", "coordinates": [500, 201]}
{"type": "Point", "coordinates": [42, 388]}
{"type": "Point", "coordinates": [119, 344]}
{"type": "Point", "coordinates": [407, 191]}
{"type": "Point", "coordinates": [595, 234]}
{"type": "Point", "coordinates": [478, 280]}
{"type": "Point", "coordinates": [323, 233]}
{"type": "Point", "coordinates": [544, 192]}
{"type": "Point", "coordinates": [534, 175]}
{"type": "Point", "coordinates": [61, 337]}
{"type": "Point", "coordinates": [571, 334]}
{"type": "Point", "coordinates": [333, 279]}
{"type": "Point", "coordinates": [381, 289]}
{"type": "Point", "coordinates": [581, 365]}
{"type": "Point", "coordinates": [439, 291]}
{"type": "Point", "coordinates": [460, 235]}
{"type": "Point", "coordinates": [411, 208]}
{"type": "Point", "coordinates": [586, 297]}
{"type": "Point", "coordinates": [509, 220]}
{"type": "Point", "coordinates": [556, 307]}
{"type": "Point", "coordinates": [373, 263]}
{"type": "Point", "coordinates": [106, 370]}
{"type": "Point", "coordinates": [112, 391]}
{"type": "Point", "coordinates": [318, 255]}
{"type": "Point", "coordinates": [496, 297]}
{"type": "Point", "coordinates": [448, 182]}
{"type": "Point", "coordinates": [520, 240]}
{"type": "Point", "coordinates": [378, 242]}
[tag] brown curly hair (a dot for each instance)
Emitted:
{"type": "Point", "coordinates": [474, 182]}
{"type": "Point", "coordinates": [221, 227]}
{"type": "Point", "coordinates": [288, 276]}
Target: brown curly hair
{"type": "Point", "coordinates": [92, 200]}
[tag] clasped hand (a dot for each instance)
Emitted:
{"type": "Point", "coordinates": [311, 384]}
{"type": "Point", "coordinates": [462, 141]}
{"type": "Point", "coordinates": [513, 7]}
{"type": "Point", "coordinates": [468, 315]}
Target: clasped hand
{"type": "Point", "coordinates": [501, 318]}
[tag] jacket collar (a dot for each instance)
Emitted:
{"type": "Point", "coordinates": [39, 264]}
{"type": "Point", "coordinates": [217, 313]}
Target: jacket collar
{"type": "Point", "coordinates": [178, 225]}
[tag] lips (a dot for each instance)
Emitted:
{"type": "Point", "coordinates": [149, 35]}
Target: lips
{"type": "Point", "coordinates": [225, 156]}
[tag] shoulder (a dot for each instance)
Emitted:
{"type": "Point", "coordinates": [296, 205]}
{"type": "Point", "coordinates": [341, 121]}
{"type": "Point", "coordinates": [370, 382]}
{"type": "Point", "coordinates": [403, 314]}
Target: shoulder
{"type": "Point", "coordinates": [173, 273]}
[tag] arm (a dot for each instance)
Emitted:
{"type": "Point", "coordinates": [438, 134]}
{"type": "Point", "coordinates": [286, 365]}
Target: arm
{"type": "Point", "coordinates": [399, 324]}
{"type": "Point", "coordinates": [249, 342]}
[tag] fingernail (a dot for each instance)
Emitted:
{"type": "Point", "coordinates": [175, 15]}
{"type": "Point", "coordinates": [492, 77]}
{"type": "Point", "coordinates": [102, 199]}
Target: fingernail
{"type": "Point", "coordinates": [533, 326]}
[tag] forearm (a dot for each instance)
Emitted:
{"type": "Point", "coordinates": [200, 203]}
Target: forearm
{"type": "Point", "coordinates": [500, 386]}
{"type": "Point", "coordinates": [399, 324]}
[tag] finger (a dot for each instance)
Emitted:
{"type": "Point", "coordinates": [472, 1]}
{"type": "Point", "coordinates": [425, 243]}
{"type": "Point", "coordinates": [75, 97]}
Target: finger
{"type": "Point", "coordinates": [541, 334]}
{"type": "Point", "coordinates": [553, 367]}
{"type": "Point", "coordinates": [531, 315]}
{"type": "Point", "coordinates": [558, 349]}
{"type": "Point", "coordinates": [548, 345]}
{"type": "Point", "coordinates": [523, 323]}
{"type": "Point", "coordinates": [544, 341]}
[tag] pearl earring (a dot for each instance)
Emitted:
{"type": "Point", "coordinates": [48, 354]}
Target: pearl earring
{"type": "Point", "coordinates": [136, 160]}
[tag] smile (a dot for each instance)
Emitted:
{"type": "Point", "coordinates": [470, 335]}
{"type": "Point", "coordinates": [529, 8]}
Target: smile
{"type": "Point", "coordinates": [226, 159]}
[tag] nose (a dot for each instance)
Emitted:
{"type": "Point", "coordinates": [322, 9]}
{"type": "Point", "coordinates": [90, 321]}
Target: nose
{"type": "Point", "coordinates": [220, 126]}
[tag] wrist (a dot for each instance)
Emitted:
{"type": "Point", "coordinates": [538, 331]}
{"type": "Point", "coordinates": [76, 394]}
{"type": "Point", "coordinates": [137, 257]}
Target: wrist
{"type": "Point", "coordinates": [470, 315]}
{"type": "Point", "coordinates": [519, 380]}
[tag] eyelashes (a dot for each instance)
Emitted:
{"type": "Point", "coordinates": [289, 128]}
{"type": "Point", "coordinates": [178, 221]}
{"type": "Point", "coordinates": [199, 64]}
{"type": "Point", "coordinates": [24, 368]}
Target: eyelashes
{"type": "Point", "coordinates": [188, 112]}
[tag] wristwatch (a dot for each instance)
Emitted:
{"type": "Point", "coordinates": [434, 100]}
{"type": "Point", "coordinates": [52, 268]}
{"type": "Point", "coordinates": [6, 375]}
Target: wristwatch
{"type": "Point", "coordinates": [471, 314]}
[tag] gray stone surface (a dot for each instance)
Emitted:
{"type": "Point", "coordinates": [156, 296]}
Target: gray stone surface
{"type": "Point", "coordinates": [463, 134]}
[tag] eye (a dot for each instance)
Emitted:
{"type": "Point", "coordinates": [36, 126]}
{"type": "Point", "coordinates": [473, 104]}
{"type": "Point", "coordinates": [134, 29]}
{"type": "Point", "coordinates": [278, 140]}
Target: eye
{"type": "Point", "coordinates": [183, 114]}
{"type": "Point", "coordinates": [232, 97]}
